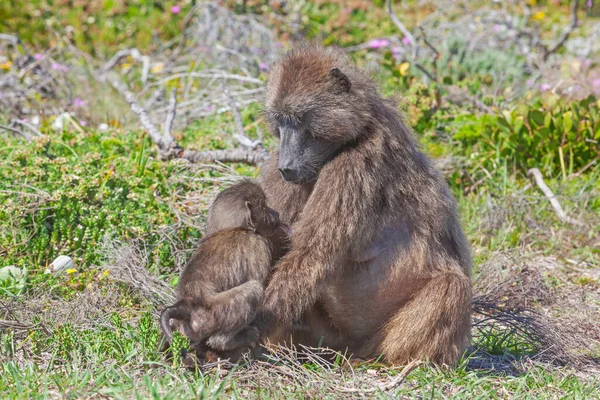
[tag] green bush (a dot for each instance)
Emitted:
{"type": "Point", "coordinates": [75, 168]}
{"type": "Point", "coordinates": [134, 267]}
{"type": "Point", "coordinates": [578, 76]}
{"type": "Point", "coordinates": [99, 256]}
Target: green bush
{"type": "Point", "coordinates": [554, 135]}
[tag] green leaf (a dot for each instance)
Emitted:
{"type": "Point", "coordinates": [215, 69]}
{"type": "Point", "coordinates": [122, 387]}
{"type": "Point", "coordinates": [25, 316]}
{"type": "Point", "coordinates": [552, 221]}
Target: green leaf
{"type": "Point", "coordinates": [568, 121]}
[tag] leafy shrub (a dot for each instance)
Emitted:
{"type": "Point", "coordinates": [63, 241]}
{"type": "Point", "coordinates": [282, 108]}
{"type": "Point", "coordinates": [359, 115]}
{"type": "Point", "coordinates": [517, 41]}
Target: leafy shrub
{"type": "Point", "coordinates": [63, 193]}
{"type": "Point", "coordinates": [553, 135]}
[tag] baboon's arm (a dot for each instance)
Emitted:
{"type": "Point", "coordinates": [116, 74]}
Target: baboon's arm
{"type": "Point", "coordinates": [338, 217]}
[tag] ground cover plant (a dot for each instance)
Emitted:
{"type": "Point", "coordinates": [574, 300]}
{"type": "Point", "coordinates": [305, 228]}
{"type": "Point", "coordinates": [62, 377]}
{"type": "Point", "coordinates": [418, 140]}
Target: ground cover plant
{"type": "Point", "coordinates": [121, 120]}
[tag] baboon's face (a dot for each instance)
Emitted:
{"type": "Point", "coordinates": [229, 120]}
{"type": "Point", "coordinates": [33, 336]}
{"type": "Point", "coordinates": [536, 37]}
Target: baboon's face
{"type": "Point", "coordinates": [301, 153]}
{"type": "Point", "coordinates": [314, 113]}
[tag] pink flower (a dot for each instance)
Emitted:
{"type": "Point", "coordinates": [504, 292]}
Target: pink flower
{"type": "Point", "coordinates": [545, 87]}
{"type": "Point", "coordinates": [59, 67]}
{"type": "Point", "coordinates": [378, 43]}
{"type": "Point", "coordinates": [497, 27]}
{"type": "Point", "coordinates": [596, 83]}
{"type": "Point", "coordinates": [175, 9]}
{"type": "Point", "coordinates": [82, 123]}
{"type": "Point", "coordinates": [589, 3]}
{"type": "Point", "coordinates": [405, 40]}
{"type": "Point", "coordinates": [529, 82]}
{"type": "Point", "coordinates": [78, 103]}
{"type": "Point", "coordinates": [263, 66]}
{"type": "Point", "coordinates": [586, 63]}
{"type": "Point", "coordinates": [38, 56]}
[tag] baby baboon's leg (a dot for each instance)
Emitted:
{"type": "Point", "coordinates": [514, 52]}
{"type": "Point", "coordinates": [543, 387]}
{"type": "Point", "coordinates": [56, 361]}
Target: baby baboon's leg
{"type": "Point", "coordinates": [434, 326]}
{"type": "Point", "coordinates": [235, 308]}
{"type": "Point", "coordinates": [247, 338]}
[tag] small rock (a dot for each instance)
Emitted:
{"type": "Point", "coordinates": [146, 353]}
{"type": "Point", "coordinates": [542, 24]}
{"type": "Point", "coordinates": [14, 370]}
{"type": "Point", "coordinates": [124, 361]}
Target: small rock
{"type": "Point", "coordinates": [61, 263]}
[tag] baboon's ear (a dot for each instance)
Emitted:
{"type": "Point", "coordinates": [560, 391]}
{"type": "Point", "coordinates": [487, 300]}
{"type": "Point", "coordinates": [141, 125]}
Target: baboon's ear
{"type": "Point", "coordinates": [249, 219]}
{"type": "Point", "coordinates": [340, 79]}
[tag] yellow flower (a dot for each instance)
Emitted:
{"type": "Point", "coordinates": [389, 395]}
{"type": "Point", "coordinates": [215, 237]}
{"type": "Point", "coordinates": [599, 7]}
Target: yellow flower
{"type": "Point", "coordinates": [125, 65]}
{"type": "Point", "coordinates": [157, 68]}
{"type": "Point", "coordinates": [403, 68]}
{"type": "Point", "coordinates": [105, 273]}
{"type": "Point", "coordinates": [538, 16]}
{"type": "Point", "coordinates": [71, 271]}
{"type": "Point", "coordinates": [6, 65]}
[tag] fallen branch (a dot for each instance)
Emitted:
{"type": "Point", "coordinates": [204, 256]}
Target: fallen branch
{"type": "Point", "coordinates": [168, 127]}
{"type": "Point", "coordinates": [168, 148]}
{"type": "Point", "coordinates": [166, 144]}
{"type": "Point", "coordinates": [133, 53]}
{"type": "Point", "coordinates": [239, 124]}
{"type": "Point", "coordinates": [403, 29]}
{"type": "Point", "coordinates": [27, 125]}
{"type": "Point", "coordinates": [252, 157]}
{"type": "Point", "coordinates": [539, 180]}
{"type": "Point", "coordinates": [567, 32]}
{"type": "Point", "coordinates": [18, 132]}
{"type": "Point", "coordinates": [389, 385]}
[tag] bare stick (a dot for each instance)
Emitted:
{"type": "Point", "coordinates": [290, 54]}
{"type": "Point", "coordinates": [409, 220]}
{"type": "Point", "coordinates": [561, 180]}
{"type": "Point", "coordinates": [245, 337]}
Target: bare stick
{"type": "Point", "coordinates": [252, 157]}
{"type": "Point", "coordinates": [400, 25]}
{"type": "Point", "coordinates": [168, 148]}
{"type": "Point", "coordinates": [15, 40]}
{"type": "Point", "coordinates": [565, 35]}
{"type": "Point", "coordinates": [239, 124]}
{"type": "Point", "coordinates": [18, 132]}
{"type": "Point", "coordinates": [170, 114]}
{"type": "Point", "coordinates": [133, 53]}
{"type": "Point", "coordinates": [391, 384]}
{"type": "Point", "coordinates": [21, 122]}
{"type": "Point", "coordinates": [539, 180]}
{"type": "Point", "coordinates": [163, 143]}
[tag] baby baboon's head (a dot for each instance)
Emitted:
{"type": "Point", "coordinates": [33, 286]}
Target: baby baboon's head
{"type": "Point", "coordinates": [243, 205]}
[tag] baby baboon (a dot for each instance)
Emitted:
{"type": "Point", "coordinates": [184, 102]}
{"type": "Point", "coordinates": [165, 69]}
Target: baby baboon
{"type": "Point", "coordinates": [221, 287]}
{"type": "Point", "coordinates": [379, 264]}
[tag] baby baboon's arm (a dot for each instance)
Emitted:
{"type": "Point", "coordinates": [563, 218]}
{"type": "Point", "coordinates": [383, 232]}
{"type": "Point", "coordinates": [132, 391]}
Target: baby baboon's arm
{"type": "Point", "coordinates": [230, 311]}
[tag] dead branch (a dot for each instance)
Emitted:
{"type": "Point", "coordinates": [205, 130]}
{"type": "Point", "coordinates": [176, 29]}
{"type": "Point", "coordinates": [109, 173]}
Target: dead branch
{"type": "Point", "coordinates": [251, 157]}
{"type": "Point", "coordinates": [539, 180]}
{"type": "Point", "coordinates": [133, 53]}
{"type": "Point", "coordinates": [14, 40]}
{"type": "Point", "coordinates": [166, 144]}
{"type": "Point", "coordinates": [566, 33]}
{"type": "Point", "coordinates": [403, 29]}
{"type": "Point", "coordinates": [168, 147]}
{"type": "Point", "coordinates": [28, 125]}
{"type": "Point", "coordinates": [18, 132]}
{"type": "Point", "coordinates": [239, 124]}
{"type": "Point", "coordinates": [170, 114]}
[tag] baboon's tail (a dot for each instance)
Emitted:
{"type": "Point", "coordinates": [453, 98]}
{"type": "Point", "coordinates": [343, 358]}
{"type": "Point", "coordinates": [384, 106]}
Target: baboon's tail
{"type": "Point", "coordinates": [178, 310]}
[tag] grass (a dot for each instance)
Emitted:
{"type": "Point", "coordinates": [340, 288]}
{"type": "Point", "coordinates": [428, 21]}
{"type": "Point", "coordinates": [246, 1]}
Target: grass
{"type": "Point", "coordinates": [112, 351]}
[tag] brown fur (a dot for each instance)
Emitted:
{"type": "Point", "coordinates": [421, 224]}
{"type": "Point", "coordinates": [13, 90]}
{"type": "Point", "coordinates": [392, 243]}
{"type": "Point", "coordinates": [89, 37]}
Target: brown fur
{"type": "Point", "coordinates": [379, 263]}
{"type": "Point", "coordinates": [221, 287]}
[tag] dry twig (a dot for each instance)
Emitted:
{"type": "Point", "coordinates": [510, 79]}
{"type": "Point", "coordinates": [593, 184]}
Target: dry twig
{"type": "Point", "coordinates": [539, 180]}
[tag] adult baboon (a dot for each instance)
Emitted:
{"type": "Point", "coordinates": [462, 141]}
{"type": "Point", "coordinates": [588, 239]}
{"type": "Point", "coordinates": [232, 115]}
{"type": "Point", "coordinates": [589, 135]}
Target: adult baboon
{"type": "Point", "coordinates": [379, 263]}
{"type": "Point", "coordinates": [221, 287]}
